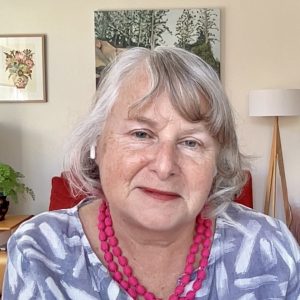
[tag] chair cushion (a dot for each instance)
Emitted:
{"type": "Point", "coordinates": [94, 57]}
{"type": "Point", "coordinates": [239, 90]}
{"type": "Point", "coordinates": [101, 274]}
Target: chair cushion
{"type": "Point", "coordinates": [246, 195]}
{"type": "Point", "coordinates": [61, 196]}
{"type": "Point", "coordinates": [295, 225]}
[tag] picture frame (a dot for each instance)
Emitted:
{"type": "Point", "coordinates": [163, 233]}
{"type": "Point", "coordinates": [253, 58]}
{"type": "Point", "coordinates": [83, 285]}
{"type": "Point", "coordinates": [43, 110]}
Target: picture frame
{"type": "Point", "coordinates": [22, 68]}
{"type": "Point", "coordinates": [194, 29]}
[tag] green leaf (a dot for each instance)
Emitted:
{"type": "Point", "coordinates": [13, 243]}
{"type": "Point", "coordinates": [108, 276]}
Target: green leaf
{"type": "Point", "coordinates": [10, 184]}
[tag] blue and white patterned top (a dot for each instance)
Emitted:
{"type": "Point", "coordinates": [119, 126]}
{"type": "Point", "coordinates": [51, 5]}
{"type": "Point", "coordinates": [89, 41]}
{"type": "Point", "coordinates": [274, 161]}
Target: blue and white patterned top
{"type": "Point", "coordinates": [252, 257]}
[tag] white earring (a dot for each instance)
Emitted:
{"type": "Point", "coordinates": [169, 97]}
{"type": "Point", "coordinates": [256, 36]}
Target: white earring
{"type": "Point", "coordinates": [93, 152]}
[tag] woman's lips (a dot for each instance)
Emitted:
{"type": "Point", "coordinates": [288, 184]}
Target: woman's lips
{"type": "Point", "coordinates": [160, 195]}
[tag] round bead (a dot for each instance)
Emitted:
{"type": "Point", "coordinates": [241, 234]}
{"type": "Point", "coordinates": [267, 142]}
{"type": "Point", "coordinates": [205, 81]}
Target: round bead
{"type": "Point", "coordinates": [173, 297]}
{"type": "Point", "coordinates": [205, 252]}
{"type": "Point", "coordinates": [113, 241]}
{"type": "Point", "coordinates": [124, 284]}
{"type": "Point", "coordinates": [108, 256]}
{"type": "Point", "coordinates": [198, 238]}
{"type": "Point", "coordinates": [112, 266]}
{"type": "Point", "coordinates": [188, 269]}
{"type": "Point", "coordinates": [190, 295]}
{"type": "Point", "coordinates": [108, 221]}
{"type": "Point", "coordinates": [101, 216]}
{"type": "Point", "coordinates": [109, 231]}
{"type": "Point", "coordinates": [194, 248]}
{"type": "Point", "coordinates": [185, 279]}
{"type": "Point", "coordinates": [140, 289]}
{"type": "Point", "coordinates": [118, 276]}
{"type": "Point", "coordinates": [207, 223]}
{"type": "Point", "coordinates": [206, 243]}
{"type": "Point", "coordinates": [203, 262]}
{"type": "Point", "coordinates": [190, 258]}
{"type": "Point", "coordinates": [117, 251]}
{"type": "Point", "coordinates": [208, 233]}
{"type": "Point", "coordinates": [132, 292]}
{"type": "Point", "coordinates": [104, 246]}
{"type": "Point", "coordinates": [201, 274]}
{"type": "Point", "coordinates": [107, 213]}
{"type": "Point", "coordinates": [102, 207]}
{"type": "Point", "coordinates": [122, 261]}
{"type": "Point", "coordinates": [101, 226]}
{"type": "Point", "coordinates": [197, 285]}
{"type": "Point", "coordinates": [127, 271]}
{"type": "Point", "coordinates": [102, 236]}
{"type": "Point", "coordinates": [200, 229]}
{"type": "Point", "coordinates": [132, 281]}
{"type": "Point", "coordinates": [179, 290]}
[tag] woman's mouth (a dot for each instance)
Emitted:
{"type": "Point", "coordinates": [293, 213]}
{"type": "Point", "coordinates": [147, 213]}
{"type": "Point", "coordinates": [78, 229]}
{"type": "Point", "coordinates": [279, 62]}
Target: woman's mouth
{"type": "Point", "coordinates": [160, 195]}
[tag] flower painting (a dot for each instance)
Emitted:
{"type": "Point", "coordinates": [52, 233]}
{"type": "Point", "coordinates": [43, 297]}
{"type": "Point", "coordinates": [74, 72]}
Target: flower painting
{"type": "Point", "coordinates": [19, 65]}
{"type": "Point", "coordinates": [22, 68]}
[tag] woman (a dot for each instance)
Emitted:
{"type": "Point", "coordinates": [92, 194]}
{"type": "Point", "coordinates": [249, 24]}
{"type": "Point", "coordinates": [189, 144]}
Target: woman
{"type": "Point", "coordinates": [159, 159]}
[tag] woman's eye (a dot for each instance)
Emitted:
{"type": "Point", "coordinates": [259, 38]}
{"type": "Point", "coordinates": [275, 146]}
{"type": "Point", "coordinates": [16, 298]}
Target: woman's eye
{"type": "Point", "coordinates": [141, 134]}
{"type": "Point", "coordinates": [191, 144]}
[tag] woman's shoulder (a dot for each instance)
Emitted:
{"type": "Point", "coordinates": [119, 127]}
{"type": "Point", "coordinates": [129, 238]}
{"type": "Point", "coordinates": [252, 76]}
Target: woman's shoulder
{"type": "Point", "coordinates": [50, 228]}
{"type": "Point", "coordinates": [52, 250]}
{"type": "Point", "coordinates": [237, 214]}
{"type": "Point", "coordinates": [257, 230]}
{"type": "Point", "coordinates": [57, 219]}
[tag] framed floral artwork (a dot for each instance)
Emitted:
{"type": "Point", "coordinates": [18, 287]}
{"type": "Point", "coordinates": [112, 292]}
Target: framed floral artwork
{"type": "Point", "coordinates": [22, 68]}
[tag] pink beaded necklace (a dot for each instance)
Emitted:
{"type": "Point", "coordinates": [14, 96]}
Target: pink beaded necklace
{"type": "Point", "coordinates": [121, 272]}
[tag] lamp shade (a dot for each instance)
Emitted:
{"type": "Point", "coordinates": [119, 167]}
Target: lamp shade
{"type": "Point", "coordinates": [274, 102]}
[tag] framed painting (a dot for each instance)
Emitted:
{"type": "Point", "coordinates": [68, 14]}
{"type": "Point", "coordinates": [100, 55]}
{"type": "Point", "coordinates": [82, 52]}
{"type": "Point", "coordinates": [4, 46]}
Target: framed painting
{"type": "Point", "coordinates": [196, 30]}
{"type": "Point", "coordinates": [22, 68]}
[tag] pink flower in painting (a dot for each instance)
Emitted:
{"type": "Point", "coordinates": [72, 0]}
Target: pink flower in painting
{"type": "Point", "coordinates": [29, 63]}
{"type": "Point", "coordinates": [19, 56]}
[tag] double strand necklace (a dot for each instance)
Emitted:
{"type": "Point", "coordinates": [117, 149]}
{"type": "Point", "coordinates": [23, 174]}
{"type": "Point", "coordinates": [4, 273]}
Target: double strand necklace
{"type": "Point", "coordinates": [122, 273]}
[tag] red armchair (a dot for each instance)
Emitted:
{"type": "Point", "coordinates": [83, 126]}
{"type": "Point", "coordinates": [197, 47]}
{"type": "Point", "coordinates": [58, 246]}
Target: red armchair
{"type": "Point", "coordinates": [61, 196]}
{"type": "Point", "coordinates": [246, 195]}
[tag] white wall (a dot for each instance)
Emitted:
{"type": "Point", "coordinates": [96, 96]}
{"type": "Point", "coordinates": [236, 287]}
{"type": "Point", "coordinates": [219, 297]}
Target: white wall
{"type": "Point", "coordinates": [260, 48]}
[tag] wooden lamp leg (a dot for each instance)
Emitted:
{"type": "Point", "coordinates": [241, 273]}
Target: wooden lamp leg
{"type": "Point", "coordinates": [271, 173]}
{"type": "Point", "coordinates": [287, 207]}
{"type": "Point", "coordinates": [277, 158]}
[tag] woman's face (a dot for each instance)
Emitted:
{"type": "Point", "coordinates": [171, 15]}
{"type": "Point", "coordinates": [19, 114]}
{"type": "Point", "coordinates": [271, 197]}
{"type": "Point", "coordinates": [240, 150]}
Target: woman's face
{"type": "Point", "coordinates": [156, 168]}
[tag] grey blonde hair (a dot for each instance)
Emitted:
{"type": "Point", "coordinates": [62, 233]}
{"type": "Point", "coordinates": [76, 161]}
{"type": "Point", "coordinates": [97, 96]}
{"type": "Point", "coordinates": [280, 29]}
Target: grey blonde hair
{"type": "Point", "coordinates": [188, 80]}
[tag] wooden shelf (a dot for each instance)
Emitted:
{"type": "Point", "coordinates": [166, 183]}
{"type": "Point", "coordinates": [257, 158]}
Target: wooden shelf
{"type": "Point", "coordinates": [11, 221]}
{"type": "Point", "coordinates": [7, 227]}
{"type": "Point", "coordinates": [3, 259]}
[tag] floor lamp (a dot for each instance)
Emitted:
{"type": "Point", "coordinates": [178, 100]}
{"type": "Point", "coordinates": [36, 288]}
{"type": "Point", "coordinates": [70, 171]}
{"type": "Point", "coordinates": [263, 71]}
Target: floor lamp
{"type": "Point", "coordinates": [275, 103]}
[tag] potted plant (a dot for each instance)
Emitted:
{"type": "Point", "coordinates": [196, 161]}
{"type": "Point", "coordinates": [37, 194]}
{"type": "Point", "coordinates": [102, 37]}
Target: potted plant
{"type": "Point", "coordinates": [11, 187]}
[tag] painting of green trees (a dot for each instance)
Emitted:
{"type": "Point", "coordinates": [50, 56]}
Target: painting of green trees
{"type": "Point", "coordinates": [196, 30]}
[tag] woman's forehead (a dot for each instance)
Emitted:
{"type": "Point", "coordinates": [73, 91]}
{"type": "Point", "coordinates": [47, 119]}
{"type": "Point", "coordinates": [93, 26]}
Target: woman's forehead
{"type": "Point", "coordinates": [140, 89]}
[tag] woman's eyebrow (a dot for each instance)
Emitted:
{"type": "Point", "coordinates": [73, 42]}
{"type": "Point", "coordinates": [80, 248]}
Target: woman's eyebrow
{"type": "Point", "coordinates": [142, 119]}
{"type": "Point", "coordinates": [196, 128]}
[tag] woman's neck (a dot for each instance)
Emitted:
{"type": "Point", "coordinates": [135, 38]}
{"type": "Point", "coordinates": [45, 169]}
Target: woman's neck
{"type": "Point", "coordinates": [135, 237]}
{"type": "Point", "coordinates": [157, 257]}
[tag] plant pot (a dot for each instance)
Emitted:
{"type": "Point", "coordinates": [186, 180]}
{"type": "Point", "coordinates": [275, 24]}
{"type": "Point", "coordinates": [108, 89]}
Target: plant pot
{"type": "Point", "coordinates": [4, 204]}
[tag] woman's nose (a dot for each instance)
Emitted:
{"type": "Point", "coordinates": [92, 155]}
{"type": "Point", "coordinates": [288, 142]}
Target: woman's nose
{"type": "Point", "coordinates": [164, 161]}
